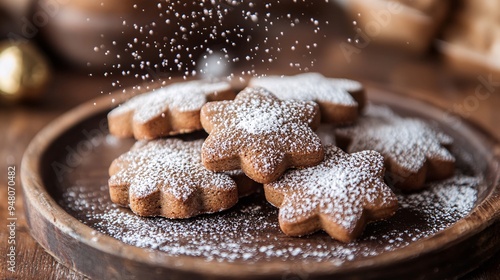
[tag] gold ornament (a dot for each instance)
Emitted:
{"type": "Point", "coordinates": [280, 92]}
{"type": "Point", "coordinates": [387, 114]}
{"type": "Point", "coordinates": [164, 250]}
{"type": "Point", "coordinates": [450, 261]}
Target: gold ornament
{"type": "Point", "coordinates": [24, 72]}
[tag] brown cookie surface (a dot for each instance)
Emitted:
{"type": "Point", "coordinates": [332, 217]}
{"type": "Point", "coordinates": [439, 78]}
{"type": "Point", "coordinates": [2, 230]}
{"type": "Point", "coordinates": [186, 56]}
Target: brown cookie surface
{"type": "Point", "coordinates": [246, 186]}
{"type": "Point", "coordinates": [260, 134]}
{"type": "Point", "coordinates": [171, 110]}
{"type": "Point", "coordinates": [339, 100]}
{"type": "Point", "coordinates": [166, 178]}
{"type": "Point", "coordinates": [340, 195]}
{"type": "Point", "coordinates": [413, 152]}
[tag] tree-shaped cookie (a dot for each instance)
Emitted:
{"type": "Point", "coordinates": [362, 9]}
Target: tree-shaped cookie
{"type": "Point", "coordinates": [340, 195]}
{"type": "Point", "coordinates": [260, 134]}
{"type": "Point", "coordinates": [339, 100]}
{"type": "Point", "coordinates": [166, 178]}
{"type": "Point", "coordinates": [413, 151]}
{"type": "Point", "coordinates": [170, 110]}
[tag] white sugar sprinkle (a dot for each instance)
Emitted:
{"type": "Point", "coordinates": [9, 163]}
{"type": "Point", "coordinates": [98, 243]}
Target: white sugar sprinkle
{"type": "Point", "coordinates": [165, 165]}
{"type": "Point", "coordinates": [261, 126]}
{"type": "Point", "coordinates": [185, 96]}
{"type": "Point", "coordinates": [250, 231]}
{"type": "Point", "coordinates": [309, 87]}
{"type": "Point", "coordinates": [341, 187]}
{"type": "Point", "coordinates": [407, 141]}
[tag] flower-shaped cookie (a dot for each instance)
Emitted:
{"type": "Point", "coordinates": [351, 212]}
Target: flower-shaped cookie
{"type": "Point", "coordinates": [412, 150]}
{"type": "Point", "coordinates": [165, 177]}
{"type": "Point", "coordinates": [260, 134]}
{"type": "Point", "coordinates": [340, 195]}
{"type": "Point", "coordinates": [339, 100]}
{"type": "Point", "coordinates": [171, 110]}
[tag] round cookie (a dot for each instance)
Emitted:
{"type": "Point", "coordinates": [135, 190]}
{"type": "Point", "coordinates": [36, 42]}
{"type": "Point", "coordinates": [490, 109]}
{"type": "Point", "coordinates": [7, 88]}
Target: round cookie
{"type": "Point", "coordinates": [340, 195]}
{"type": "Point", "coordinates": [260, 134]}
{"type": "Point", "coordinates": [171, 110]}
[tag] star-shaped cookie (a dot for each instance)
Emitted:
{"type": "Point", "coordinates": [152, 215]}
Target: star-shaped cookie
{"type": "Point", "coordinates": [166, 178]}
{"type": "Point", "coordinates": [340, 195]}
{"type": "Point", "coordinates": [170, 110]}
{"type": "Point", "coordinates": [260, 134]}
{"type": "Point", "coordinates": [413, 151]}
{"type": "Point", "coordinates": [339, 100]}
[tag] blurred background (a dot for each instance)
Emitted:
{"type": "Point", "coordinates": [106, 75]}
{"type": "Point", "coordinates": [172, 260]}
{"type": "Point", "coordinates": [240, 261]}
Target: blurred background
{"type": "Point", "coordinates": [147, 40]}
{"type": "Point", "coordinates": [409, 45]}
{"type": "Point", "coordinates": [113, 36]}
{"type": "Point", "coordinates": [57, 54]}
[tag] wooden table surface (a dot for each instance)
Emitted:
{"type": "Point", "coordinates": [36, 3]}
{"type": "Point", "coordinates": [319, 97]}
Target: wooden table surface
{"type": "Point", "coordinates": [421, 78]}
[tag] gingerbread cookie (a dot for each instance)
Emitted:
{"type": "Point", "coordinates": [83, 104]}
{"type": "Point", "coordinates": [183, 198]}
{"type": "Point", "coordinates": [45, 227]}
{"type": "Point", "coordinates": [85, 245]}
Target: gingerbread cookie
{"type": "Point", "coordinates": [167, 111]}
{"type": "Point", "coordinates": [340, 195]}
{"type": "Point", "coordinates": [413, 151]}
{"type": "Point", "coordinates": [165, 177]}
{"type": "Point", "coordinates": [339, 100]}
{"type": "Point", "coordinates": [260, 134]}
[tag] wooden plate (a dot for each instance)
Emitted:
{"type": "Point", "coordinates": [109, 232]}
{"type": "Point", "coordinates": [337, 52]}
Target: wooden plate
{"type": "Point", "coordinates": [445, 231]}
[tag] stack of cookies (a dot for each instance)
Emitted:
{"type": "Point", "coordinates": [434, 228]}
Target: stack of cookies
{"type": "Point", "coordinates": [265, 134]}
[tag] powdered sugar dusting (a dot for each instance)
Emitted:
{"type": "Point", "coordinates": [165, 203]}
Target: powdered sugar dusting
{"type": "Point", "coordinates": [261, 127]}
{"type": "Point", "coordinates": [407, 141]}
{"type": "Point", "coordinates": [259, 122]}
{"type": "Point", "coordinates": [184, 96]}
{"type": "Point", "coordinates": [454, 197]}
{"type": "Point", "coordinates": [167, 165]}
{"type": "Point", "coordinates": [339, 189]}
{"type": "Point", "coordinates": [309, 87]}
{"type": "Point", "coordinates": [250, 230]}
